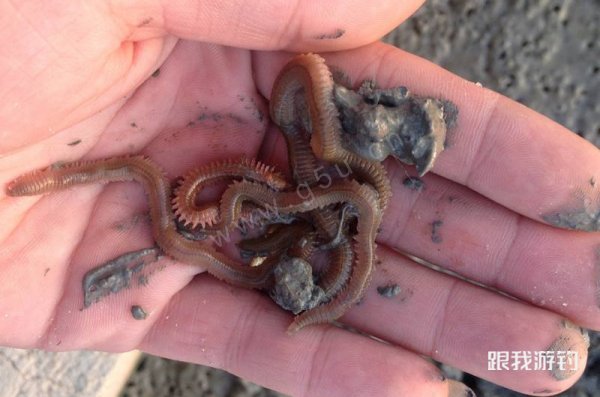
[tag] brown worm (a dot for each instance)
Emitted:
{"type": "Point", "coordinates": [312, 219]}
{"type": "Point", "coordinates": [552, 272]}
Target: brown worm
{"type": "Point", "coordinates": [283, 237]}
{"type": "Point", "coordinates": [301, 159]}
{"type": "Point", "coordinates": [158, 190]}
{"type": "Point", "coordinates": [184, 202]}
{"type": "Point", "coordinates": [302, 104]}
{"type": "Point", "coordinates": [293, 111]}
{"type": "Point", "coordinates": [308, 76]}
{"type": "Point", "coordinates": [338, 271]}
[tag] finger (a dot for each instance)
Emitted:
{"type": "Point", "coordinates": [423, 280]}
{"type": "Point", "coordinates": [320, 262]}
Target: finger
{"type": "Point", "coordinates": [242, 332]}
{"type": "Point", "coordinates": [295, 25]}
{"type": "Point", "coordinates": [460, 230]}
{"type": "Point", "coordinates": [458, 323]}
{"type": "Point", "coordinates": [499, 148]}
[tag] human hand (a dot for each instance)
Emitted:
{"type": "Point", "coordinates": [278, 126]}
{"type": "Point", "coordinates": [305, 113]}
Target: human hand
{"type": "Point", "coordinates": [196, 109]}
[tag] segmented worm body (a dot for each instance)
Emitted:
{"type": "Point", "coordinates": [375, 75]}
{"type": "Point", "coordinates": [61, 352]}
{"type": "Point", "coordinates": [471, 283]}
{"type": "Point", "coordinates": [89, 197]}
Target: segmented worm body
{"type": "Point", "coordinates": [184, 202]}
{"type": "Point", "coordinates": [306, 78]}
{"type": "Point", "coordinates": [158, 191]}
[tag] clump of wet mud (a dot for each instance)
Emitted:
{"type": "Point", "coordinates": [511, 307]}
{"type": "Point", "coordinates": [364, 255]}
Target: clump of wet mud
{"type": "Point", "coordinates": [294, 289]}
{"type": "Point", "coordinates": [389, 290]}
{"type": "Point", "coordinates": [117, 274]}
{"type": "Point", "coordinates": [138, 312]}
{"type": "Point", "coordinates": [579, 219]}
{"type": "Point", "coordinates": [378, 122]}
{"type": "Point", "coordinates": [413, 183]}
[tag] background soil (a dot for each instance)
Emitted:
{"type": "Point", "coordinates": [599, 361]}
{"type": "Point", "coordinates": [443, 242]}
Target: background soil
{"type": "Point", "coordinates": [542, 53]}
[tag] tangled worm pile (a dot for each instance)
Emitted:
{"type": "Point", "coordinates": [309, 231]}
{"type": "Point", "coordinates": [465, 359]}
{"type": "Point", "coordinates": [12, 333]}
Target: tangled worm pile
{"type": "Point", "coordinates": [327, 126]}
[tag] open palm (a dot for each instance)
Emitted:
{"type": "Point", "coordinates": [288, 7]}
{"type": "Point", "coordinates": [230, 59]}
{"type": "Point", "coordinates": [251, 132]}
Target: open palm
{"type": "Point", "coordinates": [93, 83]}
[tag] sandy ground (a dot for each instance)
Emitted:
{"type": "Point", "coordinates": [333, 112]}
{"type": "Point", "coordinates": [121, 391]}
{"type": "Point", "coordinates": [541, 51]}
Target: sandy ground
{"type": "Point", "coordinates": [542, 53]}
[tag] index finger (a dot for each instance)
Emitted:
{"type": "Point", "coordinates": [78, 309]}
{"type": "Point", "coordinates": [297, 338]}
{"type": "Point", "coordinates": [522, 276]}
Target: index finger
{"type": "Point", "coordinates": [499, 148]}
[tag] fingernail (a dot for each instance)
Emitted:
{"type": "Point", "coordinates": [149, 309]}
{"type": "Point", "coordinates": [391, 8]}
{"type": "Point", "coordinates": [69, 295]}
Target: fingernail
{"type": "Point", "coordinates": [458, 389]}
{"type": "Point", "coordinates": [572, 343]}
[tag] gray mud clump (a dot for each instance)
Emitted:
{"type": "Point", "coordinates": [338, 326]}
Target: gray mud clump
{"type": "Point", "coordinates": [294, 288]}
{"type": "Point", "coordinates": [379, 122]}
{"type": "Point", "coordinates": [413, 183]}
{"type": "Point", "coordinates": [436, 237]}
{"type": "Point", "coordinates": [574, 220]}
{"type": "Point", "coordinates": [117, 274]}
{"type": "Point", "coordinates": [138, 312]}
{"type": "Point", "coordinates": [389, 290]}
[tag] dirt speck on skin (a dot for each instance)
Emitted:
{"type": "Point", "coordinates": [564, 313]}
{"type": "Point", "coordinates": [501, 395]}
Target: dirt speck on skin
{"type": "Point", "coordinates": [133, 124]}
{"type": "Point", "coordinates": [209, 116]}
{"type": "Point", "coordinates": [576, 219]}
{"type": "Point", "coordinates": [145, 22]}
{"type": "Point", "coordinates": [331, 36]}
{"type": "Point", "coordinates": [572, 340]}
{"type": "Point", "coordinates": [545, 392]}
{"type": "Point", "coordinates": [413, 183]}
{"type": "Point", "coordinates": [130, 223]}
{"type": "Point", "coordinates": [389, 290]}
{"type": "Point", "coordinates": [592, 182]}
{"type": "Point", "coordinates": [57, 165]}
{"type": "Point", "coordinates": [156, 73]}
{"type": "Point", "coordinates": [234, 117]}
{"type": "Point", "coordinates": [74, 143]}
{"type": "Point", "coordinates": [143, 280]}
{"type": "Point", "coordinates": [46, 271]}
{"type": "Point", "coordinates": [435, 231]}
{"type": "Point", "coordinates": [217, 117]}
{"type": "Point", "coordinates": [253, 107]}
{"type": "Point", "coordinates": [116, 274]}
{"type": "Point", "coordinates": [138, 312]}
